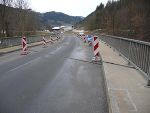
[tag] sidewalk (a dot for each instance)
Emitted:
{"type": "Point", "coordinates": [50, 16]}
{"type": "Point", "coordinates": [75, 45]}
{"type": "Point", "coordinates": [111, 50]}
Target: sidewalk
{"type": "Point", "coordinates": [16, 48]}
{"type": "Point", "coordinates": [126, 86]}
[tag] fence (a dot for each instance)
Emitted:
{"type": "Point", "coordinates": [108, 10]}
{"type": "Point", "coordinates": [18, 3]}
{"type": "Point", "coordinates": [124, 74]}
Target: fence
{"type": "Point", "coordinates": [136, 52]}
{"type": "Point", "coordinates": [14, 41]}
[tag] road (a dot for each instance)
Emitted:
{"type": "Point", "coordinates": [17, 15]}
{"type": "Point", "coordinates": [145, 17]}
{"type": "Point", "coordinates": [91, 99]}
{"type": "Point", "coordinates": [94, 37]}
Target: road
{"type": "Point", "coordinates": [56, 79]}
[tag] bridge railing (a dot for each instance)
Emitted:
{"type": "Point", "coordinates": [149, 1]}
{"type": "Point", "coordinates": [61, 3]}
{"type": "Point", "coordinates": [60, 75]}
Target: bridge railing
{"type": "Point", "coordinates": [15, 41]}
{"type": "Point", "coordinates": [136, 52]}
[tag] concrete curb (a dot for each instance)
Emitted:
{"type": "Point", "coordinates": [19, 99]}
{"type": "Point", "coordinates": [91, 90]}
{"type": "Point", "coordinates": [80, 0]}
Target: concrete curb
{"type": "Point", "coordinates": [109, 101]}
{"type": "Point", "coordinates": [107, 90]}
{"type": "Point", "coordinates": [106, 87]}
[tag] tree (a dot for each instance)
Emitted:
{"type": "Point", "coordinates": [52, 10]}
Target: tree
{"type": "Point", "coordinates": [4, 15]}
{"type": "Point", "coordinates": [23, 6]}
{"type": "Point", "coordinates": [128, 18]}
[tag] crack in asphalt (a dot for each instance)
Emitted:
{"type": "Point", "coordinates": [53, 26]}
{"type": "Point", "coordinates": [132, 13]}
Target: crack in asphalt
{"type": "Point", "coordinates": [81, 60]}
{"type": "Point", "coordinates": [96, 62]}
{"type": "Point", "coordinates": [119, 64]}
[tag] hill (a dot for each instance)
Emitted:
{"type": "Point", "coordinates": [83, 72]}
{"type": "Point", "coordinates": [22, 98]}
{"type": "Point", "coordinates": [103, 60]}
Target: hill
{"type": "Point", "coordinates": [18, 21]}
{"type": "Point", "coordinates": [57, 18]}
{"type": "Point", "coordinates": [126, 18]}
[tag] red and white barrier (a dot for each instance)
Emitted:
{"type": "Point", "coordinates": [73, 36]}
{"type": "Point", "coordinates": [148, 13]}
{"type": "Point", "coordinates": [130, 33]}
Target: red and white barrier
{"type": "Point", "coordinates": [84, 39]}
{"type": "Point", "coordinates": [81, 36]}
{"type": "Point", "coordinates": [90, 43]}
{"type": "Point", "coordinates": [24, 46]}
{"type": "Point", "coordinates": [96, 48]}
{"type": "Point", "coordinates": [44, 42]}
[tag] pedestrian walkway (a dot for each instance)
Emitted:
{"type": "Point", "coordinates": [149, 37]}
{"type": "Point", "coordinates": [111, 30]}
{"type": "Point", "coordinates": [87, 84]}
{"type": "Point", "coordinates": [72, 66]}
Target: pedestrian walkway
{"type": "Point", "coordinates": [126, 86]}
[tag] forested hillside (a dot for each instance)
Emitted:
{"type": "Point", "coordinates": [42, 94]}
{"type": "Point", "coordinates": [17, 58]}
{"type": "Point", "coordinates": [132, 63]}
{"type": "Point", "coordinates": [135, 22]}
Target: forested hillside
{"type": "Point", "coordinates": [127, 18]}
{"type": "Point", "coordinates": [58, 18]}
{"type": "Point", "coordinates": [16, 19]}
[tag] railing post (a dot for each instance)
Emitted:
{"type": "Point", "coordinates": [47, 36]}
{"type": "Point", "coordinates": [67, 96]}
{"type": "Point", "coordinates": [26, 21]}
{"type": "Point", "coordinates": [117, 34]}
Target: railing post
{"type": "Point", "coordinates": [148, 72]}
{"type": "Point", "coordinates": [129, 53]}
{"type": "Point", "coordinates": [148, 83]}
{"type": "Point", "coordinates": [0, 43]}
{"type": "Point", "coordinates": [120, 47]}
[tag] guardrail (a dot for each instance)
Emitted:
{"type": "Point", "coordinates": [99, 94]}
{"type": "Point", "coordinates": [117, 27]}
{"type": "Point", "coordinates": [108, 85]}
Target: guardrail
{"type": "Point", "coordinates": [14, 41]}
{"type": "Point", "coordinates": [136, 52]}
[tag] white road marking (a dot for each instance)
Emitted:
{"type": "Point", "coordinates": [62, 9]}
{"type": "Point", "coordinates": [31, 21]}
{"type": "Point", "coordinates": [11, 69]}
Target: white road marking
{"type": "Point", "coordinates": [20, 66]}
{"type": "Point", "coordinates": [131, 100]}
{"type": "Point", "coordinates": [128, 95]}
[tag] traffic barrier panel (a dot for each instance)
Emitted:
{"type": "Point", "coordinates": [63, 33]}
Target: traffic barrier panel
{"type": "Point", "coordinates": [90, 43]}
{"type": "Point", "coordinates": [24, 46]}
{"type": "Point", "coordinates": [96, 49]}
{"type": "Point", "coordinates": [44, 42]}
{"type": "Point", "coordinates": [84, 39]}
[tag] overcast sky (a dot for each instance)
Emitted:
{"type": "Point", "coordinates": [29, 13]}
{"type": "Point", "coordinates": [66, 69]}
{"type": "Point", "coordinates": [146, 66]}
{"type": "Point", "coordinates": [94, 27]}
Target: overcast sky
{"type": "Point", "coordinates": [70, 7]}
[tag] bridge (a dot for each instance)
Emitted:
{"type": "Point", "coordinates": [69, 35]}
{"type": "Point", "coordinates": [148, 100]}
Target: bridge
{"type": "Point", "coordinates": [62, 78]}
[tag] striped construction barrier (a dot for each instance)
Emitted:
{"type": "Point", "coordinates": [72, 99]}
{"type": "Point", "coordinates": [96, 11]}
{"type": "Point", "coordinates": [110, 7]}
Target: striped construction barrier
{"type": "Point", "coordinates": [96, 49]}
{"type": "Point", "coordinates": [44, 42]}
{"type": "Point", "coordinates": [24, 46]}
{"type": "Point", "coordinates": [84, 39]}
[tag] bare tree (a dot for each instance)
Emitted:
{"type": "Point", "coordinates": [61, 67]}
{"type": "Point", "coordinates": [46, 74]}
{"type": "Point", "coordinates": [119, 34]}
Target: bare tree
{"type": "Point", "coordinates": [6, 2]}
{"type": "Point", "coordinates": [23, 6]}
{"type": "Point", "coordinates": [4, 15]}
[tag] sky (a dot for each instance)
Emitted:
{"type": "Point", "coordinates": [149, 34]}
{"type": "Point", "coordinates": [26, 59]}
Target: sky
{"type": "Point", "coordinates": [70, 7]}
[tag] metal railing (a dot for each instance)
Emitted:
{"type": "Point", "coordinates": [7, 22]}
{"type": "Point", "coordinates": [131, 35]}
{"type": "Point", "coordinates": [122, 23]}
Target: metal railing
{"type": "Point", "coordinates": [136, 52]}
{"type": "Point", "coordinates": [14, 41]}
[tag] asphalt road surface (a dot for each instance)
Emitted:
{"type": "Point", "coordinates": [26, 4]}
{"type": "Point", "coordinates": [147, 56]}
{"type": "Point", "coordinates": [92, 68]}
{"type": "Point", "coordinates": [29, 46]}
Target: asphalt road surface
{"type": "Point", "coordinates": [56, 79]}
